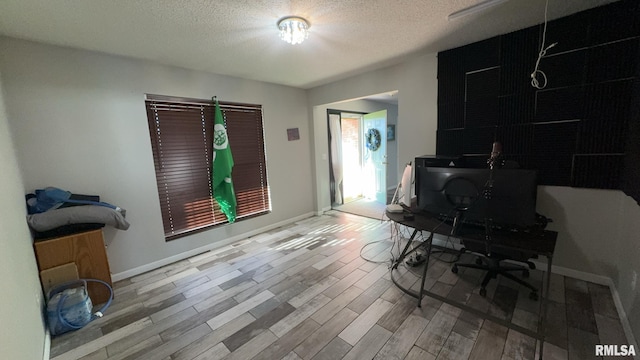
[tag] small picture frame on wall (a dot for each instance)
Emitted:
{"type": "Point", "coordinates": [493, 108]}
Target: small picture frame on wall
{"type": "Point", "coordinates": [391, 132]}
{"type": "Point", "coordinates": [293, 134]}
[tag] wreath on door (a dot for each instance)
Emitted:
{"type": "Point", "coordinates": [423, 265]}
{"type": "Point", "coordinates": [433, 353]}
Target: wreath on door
{"type": "Point", "coordinates": [373, 139]}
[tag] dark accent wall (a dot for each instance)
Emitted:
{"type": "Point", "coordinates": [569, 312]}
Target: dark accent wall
{"type": "Point", "coordinates": [582, 130]}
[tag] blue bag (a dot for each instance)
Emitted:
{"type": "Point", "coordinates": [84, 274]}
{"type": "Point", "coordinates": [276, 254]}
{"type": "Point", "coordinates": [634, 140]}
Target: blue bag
{"type": "Point", "coordinates": [69, 306]}
{"type": "Point", "coordinates": [51, 198]}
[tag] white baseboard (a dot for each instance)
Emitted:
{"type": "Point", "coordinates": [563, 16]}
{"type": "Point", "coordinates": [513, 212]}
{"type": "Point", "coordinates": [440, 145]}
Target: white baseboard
{"type": "Point", "coordinates": [624, 320]}
{"type": "Point", "coordinates": [576, 274]}
{"type": "Point", "coordinates": [46, 353]}
{"type": "Point", "coordinates": [187, 254]}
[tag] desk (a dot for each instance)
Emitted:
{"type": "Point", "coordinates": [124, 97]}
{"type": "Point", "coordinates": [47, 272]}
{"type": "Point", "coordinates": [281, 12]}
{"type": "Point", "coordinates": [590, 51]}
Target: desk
{"type": "Point", "coordinates": [541, 243]}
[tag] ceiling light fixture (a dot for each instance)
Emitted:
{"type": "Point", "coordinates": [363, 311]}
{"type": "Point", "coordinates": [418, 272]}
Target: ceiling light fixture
{"type": "Point", "coordinates": [481, 6]}
{"type": "Point", "coordinates": [293, 29]}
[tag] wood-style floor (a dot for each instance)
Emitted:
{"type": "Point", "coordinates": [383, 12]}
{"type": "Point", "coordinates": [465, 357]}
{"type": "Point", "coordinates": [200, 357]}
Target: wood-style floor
{"type": "Point", "coordinates": [309, 291]}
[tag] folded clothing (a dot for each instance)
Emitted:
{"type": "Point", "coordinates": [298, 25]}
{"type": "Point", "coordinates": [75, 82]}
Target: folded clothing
{"type": "Point", "coordinates": [77, 215]}
{"type": "Point", "coordinates": [65, 230]}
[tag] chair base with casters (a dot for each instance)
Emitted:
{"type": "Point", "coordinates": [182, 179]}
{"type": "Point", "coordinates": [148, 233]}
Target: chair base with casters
{"type": "Point", "coordinates": [495, 266]}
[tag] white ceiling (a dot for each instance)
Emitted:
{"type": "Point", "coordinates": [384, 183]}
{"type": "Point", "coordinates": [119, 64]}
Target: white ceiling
{"type": "Point", "coordinates": [239, 37]}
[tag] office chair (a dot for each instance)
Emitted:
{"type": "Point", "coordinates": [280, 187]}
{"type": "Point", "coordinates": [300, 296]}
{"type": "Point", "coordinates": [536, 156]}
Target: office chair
{"type": "Point", "coordinates": [494, 266]}
{"type": "Point", "coordinates": [492, 261]}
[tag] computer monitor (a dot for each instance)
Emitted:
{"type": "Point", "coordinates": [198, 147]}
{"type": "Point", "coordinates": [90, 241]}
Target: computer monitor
{"type": "Point", "coordinates": [508, 201]}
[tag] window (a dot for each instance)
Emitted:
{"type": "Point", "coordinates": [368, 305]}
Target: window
{"type": "Point", "coordinates": [180, 131]}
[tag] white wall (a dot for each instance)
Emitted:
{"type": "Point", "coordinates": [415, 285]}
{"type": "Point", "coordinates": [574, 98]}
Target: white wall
{"type": "Point", "coordinates": [598, 233]}
{"type": "Point", "coordinates": [79, 123]}
{"type": "Point", "coordinates": [598, 229]}
{"type": "Point", "coordinates": [22, 333]}
{"type": "Point", "coordinates": [587, 221]}
{"type": "Point", "coordinates": [626, 275]}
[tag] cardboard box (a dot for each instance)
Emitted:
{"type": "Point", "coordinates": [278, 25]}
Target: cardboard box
{"type": "Point", "coordinates": [50, 278]}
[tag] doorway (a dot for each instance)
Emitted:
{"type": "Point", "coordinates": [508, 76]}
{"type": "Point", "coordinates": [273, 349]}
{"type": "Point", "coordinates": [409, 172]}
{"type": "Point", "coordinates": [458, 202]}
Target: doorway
{"type": "Point", "coordinates": [358, 162]}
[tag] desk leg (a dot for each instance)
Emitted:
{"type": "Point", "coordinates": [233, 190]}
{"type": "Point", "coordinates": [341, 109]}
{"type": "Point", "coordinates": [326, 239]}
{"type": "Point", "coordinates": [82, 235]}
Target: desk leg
{"type": "Point", "coordinates": [543, 311]}
{"type": "Point", "coordinates": [424, 271]}
{"type": "Point", "coordinates": [404, 252]}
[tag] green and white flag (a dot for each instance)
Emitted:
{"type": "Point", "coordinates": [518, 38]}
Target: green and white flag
{"type": "Point", "coordinates": [221, 183]}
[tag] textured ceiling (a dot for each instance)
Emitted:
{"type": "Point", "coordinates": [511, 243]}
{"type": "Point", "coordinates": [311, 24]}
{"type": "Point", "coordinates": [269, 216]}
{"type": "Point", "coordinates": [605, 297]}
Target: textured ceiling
{"type": "Point", "coordinates": [239, 37]}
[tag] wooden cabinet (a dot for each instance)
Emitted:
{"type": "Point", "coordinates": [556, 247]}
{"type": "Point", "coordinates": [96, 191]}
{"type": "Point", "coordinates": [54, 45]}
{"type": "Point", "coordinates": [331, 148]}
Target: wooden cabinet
{"type": "Point", "coordinates": [87, 251]}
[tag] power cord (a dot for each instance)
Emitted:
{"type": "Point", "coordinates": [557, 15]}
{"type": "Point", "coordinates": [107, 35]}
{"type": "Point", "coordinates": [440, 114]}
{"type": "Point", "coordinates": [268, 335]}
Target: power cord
{"type": "Point", "coordinates": [393, 229]}
{"type": "Point", "coordinates": [369, 260]}
{"type": "Point", "coordinates": [449, 245]}
{"type": "Point", "coordinates": [419, 258]}
{"type": "Point", "coordinates": [401, 232]}
{"type": "Point", "coordinates": [543, 51]}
